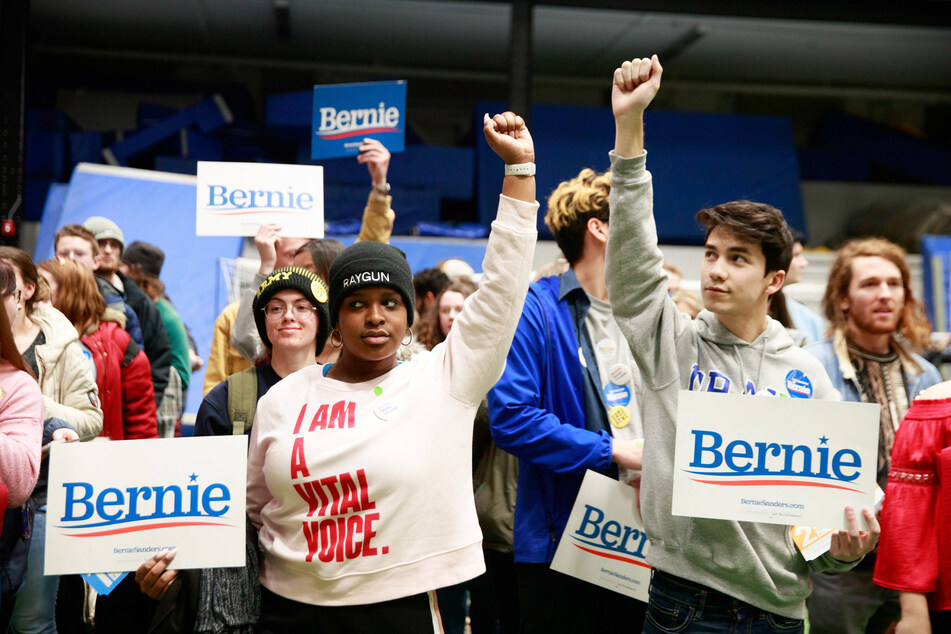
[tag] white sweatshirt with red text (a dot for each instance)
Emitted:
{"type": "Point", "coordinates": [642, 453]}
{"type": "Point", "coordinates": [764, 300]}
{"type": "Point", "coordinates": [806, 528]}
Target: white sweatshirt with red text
{"type": "Point", "coordinates": [362, 492]}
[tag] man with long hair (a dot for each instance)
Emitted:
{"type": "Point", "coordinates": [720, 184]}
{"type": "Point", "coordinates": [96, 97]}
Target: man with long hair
{"type": "Point", "coordinates": [876, 323]}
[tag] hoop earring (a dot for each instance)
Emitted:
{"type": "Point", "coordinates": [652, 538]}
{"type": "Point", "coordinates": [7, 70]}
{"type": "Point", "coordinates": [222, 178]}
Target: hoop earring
{"type": "Point", "coordinates": [405, 342]}
{"type": "Point", "coordinates": [335, 345]}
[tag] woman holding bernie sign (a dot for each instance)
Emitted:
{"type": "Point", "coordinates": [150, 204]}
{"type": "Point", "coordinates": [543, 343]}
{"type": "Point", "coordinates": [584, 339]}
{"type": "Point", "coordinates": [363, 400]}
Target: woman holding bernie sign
{"type": "Point", "coordinates": [290, 313]}
{"type": "Point", "coordinates": [359, 473]}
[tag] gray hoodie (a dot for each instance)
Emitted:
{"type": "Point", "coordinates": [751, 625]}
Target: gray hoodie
{"type": "Point", "coordinates": [754, 562]}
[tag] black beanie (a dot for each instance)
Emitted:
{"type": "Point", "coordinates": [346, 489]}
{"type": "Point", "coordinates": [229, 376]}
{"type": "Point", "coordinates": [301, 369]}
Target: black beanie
{"type": "Point", "coordinates": [294, 278]}
{"type": "Point", "coordinates": [148, 257]}
{"type": "Point", "coordinates": [365, 264]}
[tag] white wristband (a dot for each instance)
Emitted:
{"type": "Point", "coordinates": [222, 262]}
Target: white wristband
{"type": "Point", "coordinates": [520, 169]}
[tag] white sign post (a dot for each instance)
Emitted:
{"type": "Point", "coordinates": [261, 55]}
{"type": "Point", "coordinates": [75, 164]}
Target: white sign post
{"type": "Point", "coordinates": [604, 542]}
{"type": "Point", "coordinates": [234, 199]}
{"type": "Point", "coordinates": [111, 505]}
{"type": "Point", "coordinates": [774, 460]}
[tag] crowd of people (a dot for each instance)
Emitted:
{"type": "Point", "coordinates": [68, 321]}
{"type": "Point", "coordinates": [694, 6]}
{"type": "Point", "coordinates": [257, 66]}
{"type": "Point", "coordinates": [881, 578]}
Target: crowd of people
{"type": "Point", "coordinates": [474, 408]}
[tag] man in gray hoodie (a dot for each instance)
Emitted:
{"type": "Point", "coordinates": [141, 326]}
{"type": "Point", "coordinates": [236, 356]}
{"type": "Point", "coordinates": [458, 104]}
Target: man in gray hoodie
{"type": "Point", "coordinates": [732, 576]}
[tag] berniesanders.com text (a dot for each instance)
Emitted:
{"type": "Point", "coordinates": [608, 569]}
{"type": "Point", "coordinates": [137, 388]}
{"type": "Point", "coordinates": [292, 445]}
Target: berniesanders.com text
{"type": "Point", "coordinates": [782, 505]}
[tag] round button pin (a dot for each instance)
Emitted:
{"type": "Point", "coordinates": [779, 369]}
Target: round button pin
{"type": "Point", "coordinates": [620, 416]}
{"type": "Point", "coordinates": [606, 348]}
{"type": "Point", "coordinates": [385, 410]}
{"type": "Point", "coordinates": [620, 374]}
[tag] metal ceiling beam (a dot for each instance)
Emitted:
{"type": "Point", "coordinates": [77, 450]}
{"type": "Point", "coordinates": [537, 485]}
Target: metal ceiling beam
{"type": "Point", "coordinates": [931, 13]}
{"type": "Point", "coordinates": [492, 77]}
{"type": "Point", "coordinates": [520, 58]}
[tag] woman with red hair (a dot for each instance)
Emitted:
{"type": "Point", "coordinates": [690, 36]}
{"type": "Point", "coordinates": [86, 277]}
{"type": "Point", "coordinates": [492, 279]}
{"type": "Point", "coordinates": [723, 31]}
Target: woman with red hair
{"type": "Point", "coordinates": [122, 370]}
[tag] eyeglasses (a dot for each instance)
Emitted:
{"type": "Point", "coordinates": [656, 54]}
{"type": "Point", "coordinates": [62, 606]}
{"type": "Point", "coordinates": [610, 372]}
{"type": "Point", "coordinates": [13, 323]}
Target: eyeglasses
{"type": "Point", "coordinates": [72, 254]}
{"type": "Point", "coordinates": [17, 294]}
{"type": "Point", "coordinates": [275, 311]}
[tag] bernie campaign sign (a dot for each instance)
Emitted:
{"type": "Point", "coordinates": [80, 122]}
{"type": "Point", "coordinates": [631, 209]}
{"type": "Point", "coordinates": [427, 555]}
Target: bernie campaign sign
{"type": "Point", "coordinates": [112, 505]}
{"type": "Point", "coordinates": [604, 542]}
{"type": "Point", "coordinates": [775, 460]}
{"type": "Point", "coordinates": [235, 199]}
{"type": "Point", "coordinates": [345, 114]}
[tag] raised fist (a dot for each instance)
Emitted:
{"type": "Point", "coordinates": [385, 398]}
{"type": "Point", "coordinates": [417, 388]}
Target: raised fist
{"type": "Point", "coordinates": [635, 84]}
{"type": "Point", "coordinates": [508, 137]}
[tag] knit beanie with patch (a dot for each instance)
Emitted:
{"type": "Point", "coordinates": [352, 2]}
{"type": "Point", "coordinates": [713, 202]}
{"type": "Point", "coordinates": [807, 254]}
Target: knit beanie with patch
{"type": "Point", "coordinates": [366, 264]}
{"type": "Point", "coordinates": [294, 278]}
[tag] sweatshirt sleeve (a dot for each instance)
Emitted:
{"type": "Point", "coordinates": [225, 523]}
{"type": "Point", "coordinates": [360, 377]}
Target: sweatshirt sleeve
{"type": "Point", "coordinates": [244, 333]}
{"type": "Point", "coordinates": [521, 425]}
{"type": "Point", "coordinates": [21, 431]}
{"type": "Point", "coordinates": [258, 495]}
{"type": "Point", "coordinates": [476, 347]}
{"type": "Point", "coordinates": [216, 370]}
{"type": "Point", "coordinates": [378, 218]}
{"type": "Point", "coordinates": [634, 274]}
{"type": "Point", "coordinates": [78, 405]}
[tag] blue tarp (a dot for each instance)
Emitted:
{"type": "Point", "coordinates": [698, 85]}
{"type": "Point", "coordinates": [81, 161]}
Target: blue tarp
{"type": "Point", "coordinates": [160, 208]}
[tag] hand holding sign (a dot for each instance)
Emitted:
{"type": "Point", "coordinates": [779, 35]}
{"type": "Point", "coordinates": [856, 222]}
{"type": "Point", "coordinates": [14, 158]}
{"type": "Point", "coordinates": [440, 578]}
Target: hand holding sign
{"type": "Point", "coordinates": [154, 577]}
{"type": "Point", "coordinates": [65, 434]}
{"type": "Point", "coordinates": [377, 159]}
{"type": "Point", "coordinates": [852, 544]}
{"type": "Point", "coordinates": [265, 240]}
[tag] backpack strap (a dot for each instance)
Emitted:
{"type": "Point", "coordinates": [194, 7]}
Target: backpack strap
{"type": "Point", "coordinates": [242, 400]}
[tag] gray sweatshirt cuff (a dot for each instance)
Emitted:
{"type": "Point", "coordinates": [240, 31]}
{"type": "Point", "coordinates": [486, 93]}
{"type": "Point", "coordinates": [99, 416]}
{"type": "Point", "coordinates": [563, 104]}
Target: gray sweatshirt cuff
{"type": "Point", "coordinates": [628, 169]}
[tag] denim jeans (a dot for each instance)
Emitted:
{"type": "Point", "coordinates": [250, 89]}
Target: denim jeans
{"type": "Point", "coordinates": [35, 610]}
{"type": "Point", "coordinates": [679, 605]}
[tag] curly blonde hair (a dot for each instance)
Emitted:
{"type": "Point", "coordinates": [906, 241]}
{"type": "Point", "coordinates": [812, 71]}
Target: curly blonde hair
{"type": "Point", "coordinates": [572, 204]}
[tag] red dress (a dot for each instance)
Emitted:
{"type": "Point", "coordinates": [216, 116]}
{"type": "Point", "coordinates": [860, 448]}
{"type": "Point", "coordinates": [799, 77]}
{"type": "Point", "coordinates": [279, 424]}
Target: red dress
{"type": "Point", "coordinates": [914, 552]}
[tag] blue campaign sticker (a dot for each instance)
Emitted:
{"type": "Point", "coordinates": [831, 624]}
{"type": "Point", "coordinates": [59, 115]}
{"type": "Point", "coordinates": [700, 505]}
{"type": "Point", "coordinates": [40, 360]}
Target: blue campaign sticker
{"type": "Point", "coordinates": [616, 394]}
{"type": "Point", "coordinates": [798, 384]}
{"type": "Point", "coordinates": [345, 114]}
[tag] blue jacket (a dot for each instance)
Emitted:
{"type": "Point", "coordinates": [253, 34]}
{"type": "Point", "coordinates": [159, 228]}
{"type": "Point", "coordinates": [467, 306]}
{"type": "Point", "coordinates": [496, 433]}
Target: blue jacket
{"type": "Point", "coordinates": [832, 352]}
{"type": "Point", "coordinates": [547, 410]}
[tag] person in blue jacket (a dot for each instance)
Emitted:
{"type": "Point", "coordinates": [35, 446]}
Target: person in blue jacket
{"type": "Point", "coordinates": [567, 402]}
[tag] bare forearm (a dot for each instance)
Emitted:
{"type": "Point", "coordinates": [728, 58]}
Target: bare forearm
{"type": "Point", "coordinates": [519, 188]}
{"type": "Point", "coordinates": [914, 614]}
{"type": "Point", "coordinates": [629, 135]}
